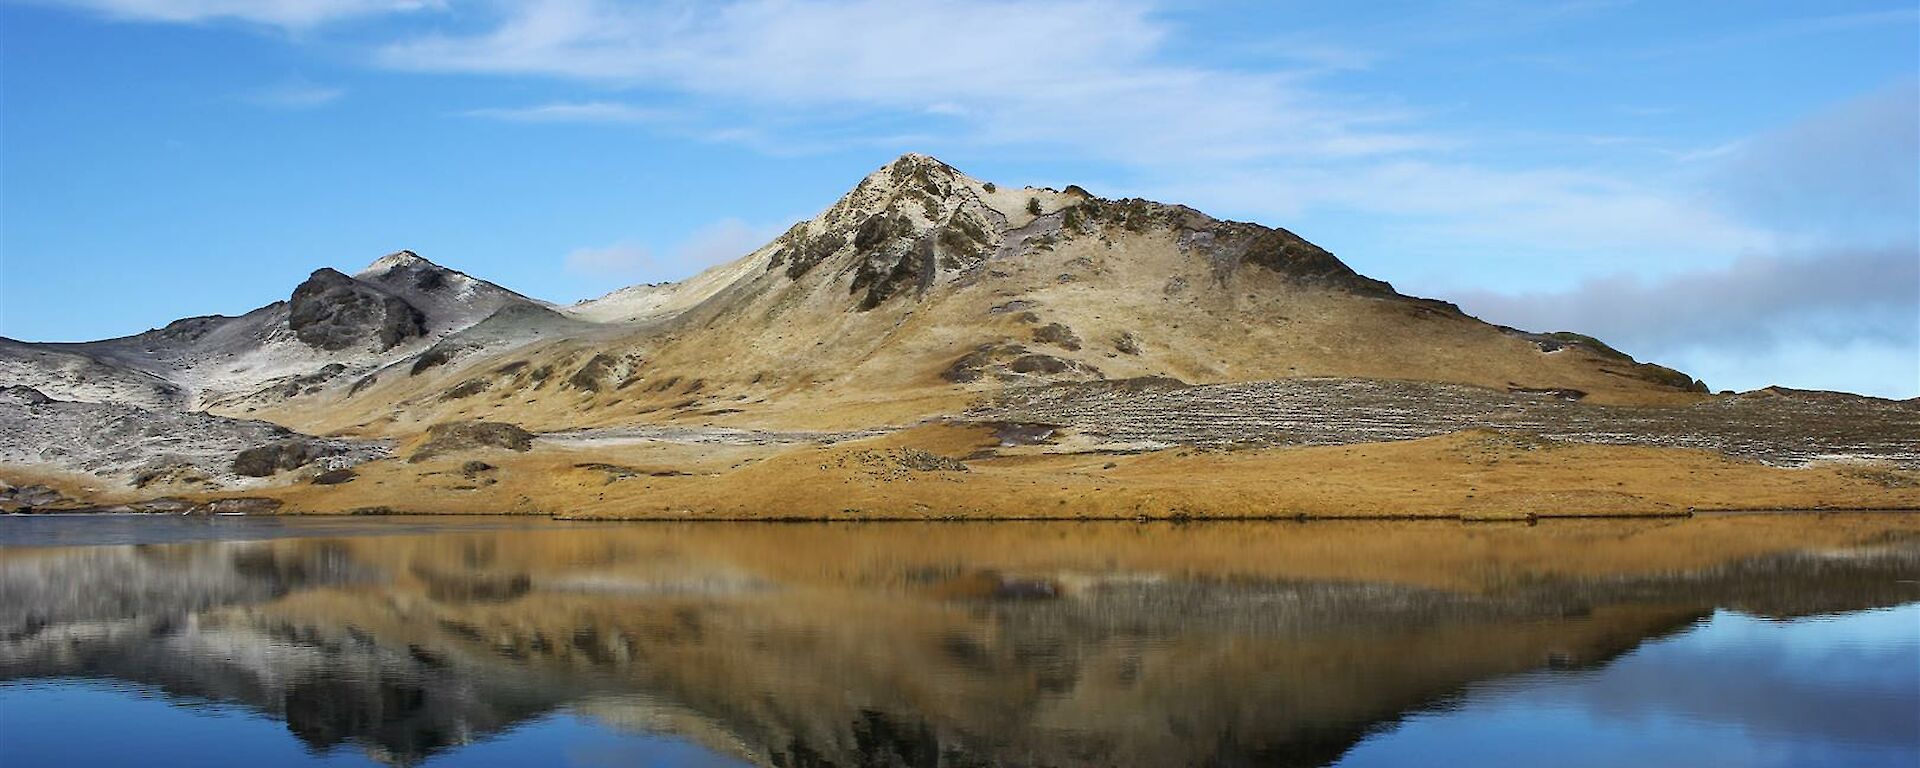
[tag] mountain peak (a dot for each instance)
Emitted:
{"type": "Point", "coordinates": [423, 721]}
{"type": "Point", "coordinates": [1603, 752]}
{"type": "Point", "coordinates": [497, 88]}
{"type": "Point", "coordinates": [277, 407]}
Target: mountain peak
{"type": "Point", "coordinates": [918, 160]}
{"type": "Point", "coordinates": [402, 259]}
{"type": "Point", "coordinates": [900, 228]}
{"type": "Point", "coordinates": [912, 173]}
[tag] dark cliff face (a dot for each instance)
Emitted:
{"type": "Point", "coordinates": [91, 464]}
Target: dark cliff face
{"type": "Point", "coordinates": [332, 311]}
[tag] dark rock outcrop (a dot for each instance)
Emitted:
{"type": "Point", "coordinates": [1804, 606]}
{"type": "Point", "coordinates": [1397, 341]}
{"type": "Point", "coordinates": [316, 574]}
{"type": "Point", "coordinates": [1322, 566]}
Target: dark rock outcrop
{"type": "Point", "coordinates": [19, 395]}
{"type": "Point", "coordinates": [273, 458]}
{"type": "Point", "coordinates": [1303, 262]}
{"type": "Point", "coordinates": [240, 506]}
{"type": "Point", "coordinates": [334, 477]}
{"type": "Point", "coordinates": [1058, 335]}
{"type": "Point", "coordinates": [1039, 364]}
{"type": "Point", "coordinates": [30, 497]}
{"type": "Point", "coordinates": [458, 436]}
{"type": "Point", "coordinates": [332, 311]}
{"type": "Point", "coordinates": [591, 376]}
{"type": "Point", "coordinates": [1007, 362]}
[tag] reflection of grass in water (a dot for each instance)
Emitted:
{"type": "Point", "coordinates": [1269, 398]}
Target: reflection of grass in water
{"type": "Point", "coordinates": [1440, 554]}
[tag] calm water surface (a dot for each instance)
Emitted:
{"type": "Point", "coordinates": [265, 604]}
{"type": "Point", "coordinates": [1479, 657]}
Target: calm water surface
{"type": "Point", "coordinates": [1756, 640]}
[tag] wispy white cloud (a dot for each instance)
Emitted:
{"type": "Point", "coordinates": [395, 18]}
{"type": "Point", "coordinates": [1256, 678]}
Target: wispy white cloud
{"type": "Point", "coordinates": [1615, 220]}
{"type": "Point", "coordinates": [295, 94]}
{"type": "Point", "coordinates": [720, 242]}
{"type": "Point", "coordinates": [1090, 77]}
{"type": "Point", "coordinates": [573, 112]}
{"type": "Point", "coordinates": [1752, 303]}
{"type": "Point", "coordinates": [290, 14]}
{"type": "Point", "coordinates": [1098, 79]}
{"type": "Point", "coordinates": [1764, 307]}
{"type": "Point", "coordinates": [1086, 73]}
{"type": "Point", "coordinates": [620, 261]}
{"type": "Point", "coordinates": [1822, 287]}
{"type": "Point", "coordinates": [1851, 171]}
{"type": "Point", "coordinates": [628, 261]}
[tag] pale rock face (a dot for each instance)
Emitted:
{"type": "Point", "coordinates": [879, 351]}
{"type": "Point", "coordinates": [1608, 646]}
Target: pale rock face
{"type": "Point", "coordinates": [393, 261]}
{"type": "Point", "coordinates": [449, 299]}
{"type": "Point", "coordinates": [918, 223]}
{"type": "Point", "coordinates": [904, 229]}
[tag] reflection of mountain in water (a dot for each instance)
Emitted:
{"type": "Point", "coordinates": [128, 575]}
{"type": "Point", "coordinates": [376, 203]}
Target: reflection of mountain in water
{"type": "Point", "coordinates": [181, 619]}
{"type": "Point", "coordinates": [406, 646]}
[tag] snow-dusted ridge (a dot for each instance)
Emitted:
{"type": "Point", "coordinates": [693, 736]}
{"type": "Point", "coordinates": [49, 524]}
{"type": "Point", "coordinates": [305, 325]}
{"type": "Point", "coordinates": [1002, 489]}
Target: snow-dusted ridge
{"type": "Point", "coordinates": [164, 449]}
{"type": "Point", "coordinates": [203, 362]}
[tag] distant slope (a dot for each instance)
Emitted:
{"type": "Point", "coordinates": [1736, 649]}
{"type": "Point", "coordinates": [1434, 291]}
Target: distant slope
{"type": "Point", "coordinates": [653, 302]}
{"type": "Point", "coordinates": [76, 376]}
{"type": "Point", "coordinates": [333, 327]}
{"type": "Point", "coordinates": [448, 298]}
{"type": "Point", "coordinates": [160, 451]}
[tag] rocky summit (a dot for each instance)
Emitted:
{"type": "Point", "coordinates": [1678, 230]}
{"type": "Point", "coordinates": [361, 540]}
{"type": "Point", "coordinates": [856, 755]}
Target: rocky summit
{"type": "Point", "coordinates": [1078, 356]}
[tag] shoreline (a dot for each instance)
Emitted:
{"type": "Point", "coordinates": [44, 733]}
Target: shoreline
{"type": "Point", "coordinates": [957, 519]}
{"type": "Point", "coordinates": [943, 472]}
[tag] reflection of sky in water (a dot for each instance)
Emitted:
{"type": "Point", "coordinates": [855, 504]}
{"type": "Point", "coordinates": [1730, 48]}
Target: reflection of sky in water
{"type": "Point", "coordinates": [139, 728]}
{"type": "Point", "coordinates": [1736, 690]}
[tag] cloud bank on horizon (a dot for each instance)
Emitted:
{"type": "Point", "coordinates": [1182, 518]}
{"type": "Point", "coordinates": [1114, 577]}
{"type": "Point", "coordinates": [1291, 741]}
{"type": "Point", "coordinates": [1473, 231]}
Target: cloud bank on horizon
{"type": "Point", "coordinates": [1729, 188]}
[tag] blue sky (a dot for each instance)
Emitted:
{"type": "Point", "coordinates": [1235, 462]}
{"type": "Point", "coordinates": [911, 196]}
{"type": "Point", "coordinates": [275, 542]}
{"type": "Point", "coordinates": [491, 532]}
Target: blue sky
{"type": "Point", "coordinates": [1731, 188]}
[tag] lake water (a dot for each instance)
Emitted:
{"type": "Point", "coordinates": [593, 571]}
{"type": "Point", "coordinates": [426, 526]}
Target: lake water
{"type": "Point", "coordinates": [1784, 640]}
